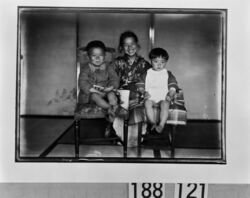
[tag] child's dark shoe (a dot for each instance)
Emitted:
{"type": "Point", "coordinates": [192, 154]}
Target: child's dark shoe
{"type": "Point", "coordinates": [107, 132]}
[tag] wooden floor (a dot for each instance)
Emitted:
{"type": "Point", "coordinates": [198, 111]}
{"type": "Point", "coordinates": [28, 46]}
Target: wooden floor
{"type": "Point", "coordinates": [63, 150]}
{"type": "Point", "coordinates": [37, 133]}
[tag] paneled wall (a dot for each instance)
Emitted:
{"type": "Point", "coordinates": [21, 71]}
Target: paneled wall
{"type": "Point", "coordinates": [49, 41]}
{"type": "Point", "coordinates": [194, 43]}
{"type": "Point", "coordinates": [48, 76]}
{"type": "Point", "coordinates": [107, 27]}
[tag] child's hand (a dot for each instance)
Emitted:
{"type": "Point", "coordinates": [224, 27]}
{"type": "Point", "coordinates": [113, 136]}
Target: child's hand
{"type": "Point", "coordinates": [141, 90]}
{"type": "Point", "coordinates": [168, 98]}
{"type": "Point", "coordinates": [93, 90]}
{"type": "Point", "coordinates": [172, 93]}
{"type": "Point", "coordinates": [108, 89]}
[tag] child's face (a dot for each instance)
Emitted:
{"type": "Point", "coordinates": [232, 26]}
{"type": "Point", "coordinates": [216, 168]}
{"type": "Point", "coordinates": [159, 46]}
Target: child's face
{"type": "Point", "coordinates": [159, 63]}
{"type": "Point", "coordinates": [97, 56]}
{"type": "Point", "coordinates": [130, 46]}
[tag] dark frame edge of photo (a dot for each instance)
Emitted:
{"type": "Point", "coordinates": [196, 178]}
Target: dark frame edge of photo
{"type": "Point", "coordinates": [18, 86]}
{"type": "Point", "coordinates": [220, 161]}
{"type": "Point", "coordinates": [224, 84]}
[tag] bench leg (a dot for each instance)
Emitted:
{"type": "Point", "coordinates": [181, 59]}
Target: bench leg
{"type": "Point", "coordinates": [77, 137]}
{"type": "Point", "coordinates": [125, 136]}
{"type": "Point", "coordinates": [139, 139]}
{"type": "Point", "coordinates": [172, 140]}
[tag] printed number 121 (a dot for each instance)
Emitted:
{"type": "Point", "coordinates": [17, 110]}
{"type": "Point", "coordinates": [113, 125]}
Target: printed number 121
{"type": "Point", "coordinates": [191, 190]}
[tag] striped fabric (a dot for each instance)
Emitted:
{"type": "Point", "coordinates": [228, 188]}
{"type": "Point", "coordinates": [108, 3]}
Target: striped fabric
{"type": "Point", "coordinates": [177, 117]}
{"type": "Point", "coordinates": [177, 111]}
{"type": "Point", "coordinates": [137, 114]}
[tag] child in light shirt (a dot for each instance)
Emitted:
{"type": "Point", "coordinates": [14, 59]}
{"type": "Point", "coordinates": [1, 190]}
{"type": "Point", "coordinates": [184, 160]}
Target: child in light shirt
{"type": "Point", "coordinates": [160, 87]}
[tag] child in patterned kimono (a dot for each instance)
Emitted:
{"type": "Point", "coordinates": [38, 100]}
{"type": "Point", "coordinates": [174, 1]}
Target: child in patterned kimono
{"type": "Point", "coordinates": [160, 87]}
{"type": "Point", "coordinates": [97, 80]}
{"type": "Point", "coordinates": [130, 66]}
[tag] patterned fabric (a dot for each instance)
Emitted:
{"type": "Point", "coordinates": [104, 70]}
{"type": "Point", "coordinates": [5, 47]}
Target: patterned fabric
{"type": "Point", "coordinates": [130, 73]}
{"type": "Point", "coordinates": [91, 110]}
{"type": "Point", "coordinates": [177, 117]}
{"type": "Point", "coordinates": [177, 111]}
{"type": "Point", "coordinates": [137, 114]}
{"type": "Point", "coordinates": [88, 111]}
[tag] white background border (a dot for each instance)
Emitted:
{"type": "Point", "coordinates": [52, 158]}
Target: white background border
{"type": "Point", "coordinates": [237, 169]}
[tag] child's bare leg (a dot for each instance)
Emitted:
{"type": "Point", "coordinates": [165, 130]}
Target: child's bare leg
{"type": "Point", "coordinates": [99, 101]}
{"type": "Point", "coordinates": [164, 108]}
{"type": "Point", "coordinates": [150, 111]}
{"type": "Point", "coordinates": [112, 99]}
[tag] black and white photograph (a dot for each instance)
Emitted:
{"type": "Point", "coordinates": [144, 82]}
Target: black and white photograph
{"type": "Point", "coordinates": [124, 98]}
{"type": "Point", "coordinates": [121, 85]}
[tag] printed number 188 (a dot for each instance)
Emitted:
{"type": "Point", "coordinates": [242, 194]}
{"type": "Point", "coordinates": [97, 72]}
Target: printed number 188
{"type": "Point", "coordinates": [146, 190]}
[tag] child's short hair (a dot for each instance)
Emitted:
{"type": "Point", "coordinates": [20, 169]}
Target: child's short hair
{"type": "Point", "coordinates": [95, 44]}
{"type": "Point", "coordinates": [124, 35]}
{"type": "Point", "coordinates": [158, 52]}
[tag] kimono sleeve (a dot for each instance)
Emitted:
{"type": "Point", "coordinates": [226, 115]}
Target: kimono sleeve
{"type": "Point", "coordinates": [113, 78]}
{"type": "Point", "coordinates": [84, 80]}
{"type": "Point", "coordinates": [147, 65]}
{"type": "Point", "coordinates": [143, 66]}
{"type": "Point", "coordinates": [141, 81]}
{"type": "Point", "coordinates": [172, 82]}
